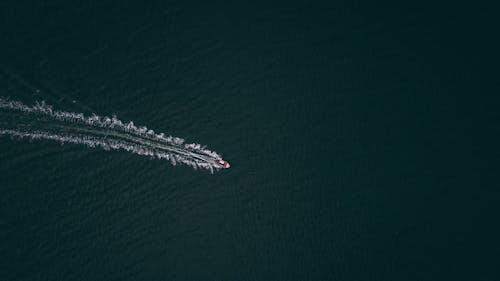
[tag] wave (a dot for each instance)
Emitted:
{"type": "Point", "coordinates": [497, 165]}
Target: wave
{"type": "Point", "coordinates": [109, 133]}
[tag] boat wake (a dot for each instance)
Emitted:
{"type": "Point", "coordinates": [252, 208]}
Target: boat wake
{"type": "Point", "coordinates": [41, 122]}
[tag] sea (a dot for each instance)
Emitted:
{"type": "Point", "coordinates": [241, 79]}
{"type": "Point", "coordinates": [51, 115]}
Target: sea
{"type": "Point", "coordinates": [361, 140]}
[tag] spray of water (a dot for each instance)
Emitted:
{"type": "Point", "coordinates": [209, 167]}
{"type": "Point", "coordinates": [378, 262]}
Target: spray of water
{"type": "Point", "coordinates": [109, 133]}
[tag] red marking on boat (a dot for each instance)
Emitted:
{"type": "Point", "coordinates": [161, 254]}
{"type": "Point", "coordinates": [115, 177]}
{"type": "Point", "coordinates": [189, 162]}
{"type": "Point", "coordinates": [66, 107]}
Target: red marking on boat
{"type": "Point", "coordinates": [222, 163]}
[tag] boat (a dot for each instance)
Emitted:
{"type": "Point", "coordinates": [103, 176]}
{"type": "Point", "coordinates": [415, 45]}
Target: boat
{"type": "Point", "coordinates": [222, 163]}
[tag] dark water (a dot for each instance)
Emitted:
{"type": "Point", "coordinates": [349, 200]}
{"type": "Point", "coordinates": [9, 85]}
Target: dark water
{"type": "Point", "coordinates": [362, 142]}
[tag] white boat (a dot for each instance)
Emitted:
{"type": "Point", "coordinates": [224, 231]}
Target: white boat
{"type": "Point", "coordinates": [222, 163]}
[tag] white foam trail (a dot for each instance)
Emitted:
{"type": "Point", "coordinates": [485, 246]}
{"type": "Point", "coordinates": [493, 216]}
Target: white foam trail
{"type": "Point", "coordinates": [138, 140]}
{"type": "Point", "coordinates": [103, 122]}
